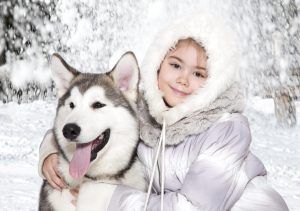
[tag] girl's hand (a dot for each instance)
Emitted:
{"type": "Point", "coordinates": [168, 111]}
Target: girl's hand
{"type": "Point", "coordinates": [50, 171]}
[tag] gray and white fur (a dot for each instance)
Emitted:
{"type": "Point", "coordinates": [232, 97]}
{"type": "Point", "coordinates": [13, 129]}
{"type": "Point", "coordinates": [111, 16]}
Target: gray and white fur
{"type": "Point", "coordinates": [97, 108]}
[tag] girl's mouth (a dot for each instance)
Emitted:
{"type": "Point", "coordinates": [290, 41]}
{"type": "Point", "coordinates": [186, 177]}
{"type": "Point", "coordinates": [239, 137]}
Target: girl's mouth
{"type": "Point", "coordinates": [178, 92]}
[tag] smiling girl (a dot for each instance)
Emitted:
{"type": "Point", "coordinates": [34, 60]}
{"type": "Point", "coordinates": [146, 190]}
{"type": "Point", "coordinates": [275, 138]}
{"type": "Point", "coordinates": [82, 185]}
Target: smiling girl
{"type": "Point", "coordinates": [182, 72]}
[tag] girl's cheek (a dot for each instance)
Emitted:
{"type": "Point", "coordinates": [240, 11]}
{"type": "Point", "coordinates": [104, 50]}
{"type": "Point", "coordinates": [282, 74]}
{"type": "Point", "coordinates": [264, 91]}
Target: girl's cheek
{"type": "Point", "coordinates": [169, 74]}
{"type": "Point", "coordinates": [196, 84]}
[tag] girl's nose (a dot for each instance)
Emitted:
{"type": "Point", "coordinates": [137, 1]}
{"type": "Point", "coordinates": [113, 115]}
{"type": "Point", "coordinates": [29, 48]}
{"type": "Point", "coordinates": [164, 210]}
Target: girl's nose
{"type": "Point", "coordinates": [183, 79]}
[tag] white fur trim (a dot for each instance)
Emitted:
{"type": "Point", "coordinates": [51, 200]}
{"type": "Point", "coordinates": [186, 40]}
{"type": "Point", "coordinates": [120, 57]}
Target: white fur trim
{"type": "Point", "coordinates": [219, 42]}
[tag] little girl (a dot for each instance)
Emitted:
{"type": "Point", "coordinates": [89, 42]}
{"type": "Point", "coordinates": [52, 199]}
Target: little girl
{"type": "Point", "coordinates": [191, 94]}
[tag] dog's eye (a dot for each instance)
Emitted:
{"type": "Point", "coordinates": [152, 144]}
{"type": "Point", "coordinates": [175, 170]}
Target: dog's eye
{"type": "Point", "coordinates": [98, 105]}
{"type": "Point", "coordinates": [72, 105]}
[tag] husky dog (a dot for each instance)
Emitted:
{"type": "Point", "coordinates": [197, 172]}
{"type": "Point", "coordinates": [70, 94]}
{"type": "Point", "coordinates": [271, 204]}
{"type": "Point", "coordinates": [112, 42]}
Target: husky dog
{"type": "Point", "coordinates": [96, 131]}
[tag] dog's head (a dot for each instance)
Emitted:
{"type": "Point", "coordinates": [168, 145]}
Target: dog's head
{"type": "Point", "coordinates": [96, 126]}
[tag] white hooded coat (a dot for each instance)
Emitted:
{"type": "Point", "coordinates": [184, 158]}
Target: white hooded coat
{"type": "Point", "coordinates": [208, 164]}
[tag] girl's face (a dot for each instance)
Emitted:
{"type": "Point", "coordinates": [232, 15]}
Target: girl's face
{"type": "Point", "coordinates": [182, 72]}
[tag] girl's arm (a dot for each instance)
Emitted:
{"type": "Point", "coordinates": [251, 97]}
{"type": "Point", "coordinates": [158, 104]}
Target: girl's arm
{"type": "Point", "coordinates": [215, 180]}
{"type": "Point", "coordinates": [48, 162]}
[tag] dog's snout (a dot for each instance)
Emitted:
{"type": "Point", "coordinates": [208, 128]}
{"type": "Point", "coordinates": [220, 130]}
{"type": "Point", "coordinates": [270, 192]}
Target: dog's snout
{"type": "Point", "coordinates": [71, 131]}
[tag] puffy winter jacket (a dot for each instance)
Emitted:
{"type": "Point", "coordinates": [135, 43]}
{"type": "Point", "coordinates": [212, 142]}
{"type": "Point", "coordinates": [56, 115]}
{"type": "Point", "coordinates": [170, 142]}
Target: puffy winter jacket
{"type": "Point", "coordinates": [210, 171]}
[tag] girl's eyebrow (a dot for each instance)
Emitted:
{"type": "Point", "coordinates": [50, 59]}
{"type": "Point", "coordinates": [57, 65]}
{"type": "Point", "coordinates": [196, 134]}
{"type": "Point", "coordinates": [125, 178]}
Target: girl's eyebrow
{"type": "Point", "coordinates": [175, 57]}
{"type": "Point", "coordinates": [180, 60]}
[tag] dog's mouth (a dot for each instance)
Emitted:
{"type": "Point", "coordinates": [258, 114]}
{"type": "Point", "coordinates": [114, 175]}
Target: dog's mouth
{"type": "Point", "coordinates": [99, 143]}
{"type": "Point", "coordinates": [86, 153]}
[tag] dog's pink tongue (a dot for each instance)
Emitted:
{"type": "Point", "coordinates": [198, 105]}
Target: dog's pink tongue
{"type": "Point", "coordinates": [80, 161]}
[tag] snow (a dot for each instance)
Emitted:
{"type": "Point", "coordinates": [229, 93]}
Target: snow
{"type": "Point", "coordinates": [23, 72]}
{"type": "Point", "coordinates": [21, 130]}
{"type": "Point", "coordinates": [23, 126]}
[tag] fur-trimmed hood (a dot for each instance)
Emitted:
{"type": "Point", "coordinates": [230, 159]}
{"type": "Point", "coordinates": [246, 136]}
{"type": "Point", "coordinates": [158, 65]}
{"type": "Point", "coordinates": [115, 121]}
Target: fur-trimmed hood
{"type": "Point", "coordinates": [222, 65]}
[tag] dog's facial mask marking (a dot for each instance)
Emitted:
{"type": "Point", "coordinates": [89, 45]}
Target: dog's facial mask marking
{"type": "Point", "coordinates": [125, 77]}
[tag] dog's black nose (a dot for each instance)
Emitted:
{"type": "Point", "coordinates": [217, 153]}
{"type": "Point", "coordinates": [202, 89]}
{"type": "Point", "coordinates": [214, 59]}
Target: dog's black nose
{"type": "Point", "coordinates": [71, 131]}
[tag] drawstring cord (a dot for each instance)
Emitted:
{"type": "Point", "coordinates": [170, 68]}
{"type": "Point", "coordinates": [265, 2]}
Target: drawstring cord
{"type": "Point", "coordinates": [161, 144]}
{"type": "Point", "coordinates": [162, 186]}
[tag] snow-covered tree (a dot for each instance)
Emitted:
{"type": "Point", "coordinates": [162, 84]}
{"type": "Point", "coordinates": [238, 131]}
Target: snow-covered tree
{"type": "Point", "coordinates": [27, 28]}
{"type": "Point", "coordinates": [270, 32]}
{"type": "Point", "coordinates": [26, 39]}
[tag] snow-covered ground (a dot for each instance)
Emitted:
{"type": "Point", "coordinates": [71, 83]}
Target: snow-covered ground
{"type": "Point", "coordinates": [22, 128]}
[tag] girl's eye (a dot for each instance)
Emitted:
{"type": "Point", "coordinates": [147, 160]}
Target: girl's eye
{"type": "Point", "coordinates": [72, 106]}
{"type": "Point", "coordinates": [197, 74]}
{"type": "Point", "coordinates": [200, 75]}
{"type": "Point", "coordinates": [175, 65]}
{"type": "Point", "coordinates": [97, 105]}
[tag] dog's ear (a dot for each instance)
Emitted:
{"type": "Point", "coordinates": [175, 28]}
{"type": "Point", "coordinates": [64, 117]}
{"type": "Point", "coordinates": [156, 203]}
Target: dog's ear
{"type": "Point", "coordinates": [62, 74]}
{"type": "Point", "coordinates": [126, 75]}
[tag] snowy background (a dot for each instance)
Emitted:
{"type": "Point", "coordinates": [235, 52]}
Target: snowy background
{"type": "Point", "coordinates": [92, 34]}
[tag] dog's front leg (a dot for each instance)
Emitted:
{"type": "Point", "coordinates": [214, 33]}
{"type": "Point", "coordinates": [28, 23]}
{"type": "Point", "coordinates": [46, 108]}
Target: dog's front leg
{"type": "Point", "coordinates": [94, 196]}
{"type": "Point", "coordinates": [60, 200]}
